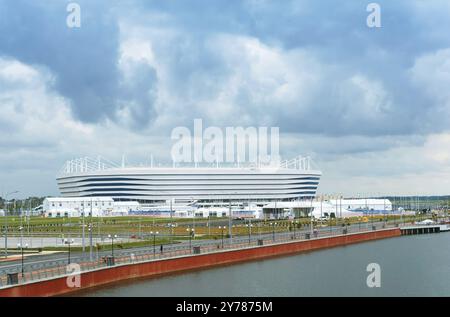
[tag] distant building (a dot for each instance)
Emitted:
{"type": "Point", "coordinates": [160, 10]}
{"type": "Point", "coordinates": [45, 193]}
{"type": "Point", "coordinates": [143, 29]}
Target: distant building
{"type": "Point", "coordinates": [124, 208]}
{"type": "Point", "coordinates": [334, 208]}
{"type": "Point", "coordinates": [90, 206]}
{"type": "Point", "coordinates": [76, 206]}
{"type": "Point", "coordinates": [2, 212]}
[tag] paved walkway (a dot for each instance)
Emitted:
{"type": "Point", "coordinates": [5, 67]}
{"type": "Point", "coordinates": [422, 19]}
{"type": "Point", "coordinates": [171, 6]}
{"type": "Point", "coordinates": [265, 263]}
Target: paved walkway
{"type": "Point", "coordinates": [16, 257]}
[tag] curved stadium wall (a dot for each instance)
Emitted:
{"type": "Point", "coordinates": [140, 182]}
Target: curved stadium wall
{"type": "Point", "coordinates": [203, 184]}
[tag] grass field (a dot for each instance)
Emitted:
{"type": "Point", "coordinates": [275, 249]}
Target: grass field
{"type": "Point", "coordinates": [144, 226]}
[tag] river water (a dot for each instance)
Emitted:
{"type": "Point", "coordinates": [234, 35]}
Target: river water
{"type": "Point", "coordinates": [409, 266]}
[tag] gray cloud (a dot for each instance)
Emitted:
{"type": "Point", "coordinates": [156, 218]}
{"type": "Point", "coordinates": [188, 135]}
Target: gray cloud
{"type": "Point", "coordinates": [137, 95]}
{"type": "Point", "coordinates": [83, 60]}
{"type": "Point", "coordinates": [338, 90]}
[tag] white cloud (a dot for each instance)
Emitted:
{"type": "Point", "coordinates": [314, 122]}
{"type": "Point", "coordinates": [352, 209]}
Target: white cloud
{"type": "Point", "coordinates": [437, 149]}
{"type": "Point", "coordinates": [231, 79]}
{"type": "Point", "coordinates": [364, 98]}
{"type": "Point", "coordinates": [39, 132]}
{"type": "Point", "coordinates": [431, 73]}
{"type": "Point", "coordinates": [377, 165]}
{"type": "Point", "coordinates": [14, 71]}
{"type": "Point", "coordinates": [263, 79]}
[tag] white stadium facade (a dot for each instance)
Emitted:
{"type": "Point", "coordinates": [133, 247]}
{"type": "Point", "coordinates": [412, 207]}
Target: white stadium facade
{"type": "Point", "coordinates": [99, 187]}
{"type": "Point", "coordinates": [290, 180]}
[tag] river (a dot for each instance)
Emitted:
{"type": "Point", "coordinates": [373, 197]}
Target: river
{"type": "Point", "coordinates": [409, 266]}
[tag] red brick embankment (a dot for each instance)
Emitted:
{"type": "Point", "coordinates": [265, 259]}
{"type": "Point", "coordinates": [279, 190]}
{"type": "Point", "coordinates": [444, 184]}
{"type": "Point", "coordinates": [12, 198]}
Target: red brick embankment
{"type": "Point", "coordinates": [58, 286]}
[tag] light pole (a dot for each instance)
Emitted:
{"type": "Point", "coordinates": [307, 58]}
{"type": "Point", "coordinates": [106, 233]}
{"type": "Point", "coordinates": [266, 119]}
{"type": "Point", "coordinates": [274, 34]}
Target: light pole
{"type": "Point", "coordinates": [140, 231]}
{"type": "Point", "coordinates": [193, 214]}
{"type": "Point", "coordinates": [311, 210]}
{"type": "Point", "coordinates": [19, 245]}
{"type": "Point", "coordinates": [83, 229]}
{"type": "Point", "coordinates": [6, 221]}
{"type": "Point", "coordinates": [230, 219]}
{"type": "Point", "coordinates": [249, 226]}
{"type": "Point", "coordinates": [230, 222]}
{"type": "Point", "coordinates": [21, 234]}
{"type": "Point", "coordinates": [68, 242]}
{"type": "Point", "coordinates": [112, 237]}
{"type": "Point", "coordinates": [154, 241]}
{"type": "Point", "coordinates": [191, 234]}
{"type": "Point", "coordinates": [222, 229]}
{"type": "Point", "coordinates": [90, 241]}
{"type": "Point", "coordinates": [273, 230]}
{"type": "Point", "coordinates": [172, 225]}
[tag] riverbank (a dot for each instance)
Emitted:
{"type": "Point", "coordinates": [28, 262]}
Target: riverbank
{"type": "Point", "coordinates": [58, 286]}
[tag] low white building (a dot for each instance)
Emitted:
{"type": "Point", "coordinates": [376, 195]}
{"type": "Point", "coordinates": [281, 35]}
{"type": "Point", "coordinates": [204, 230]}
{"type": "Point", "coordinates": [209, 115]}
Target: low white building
{"type": "Point", "coordinates": [337, 208]}
{"type": "Point", "coordinates": [123, 208]}
{"type": "Point", "coordinates": [76, 206]}
{"type": "Point", "coordinates": [106, 206]}
{"type": "Point", "coordinates": [2, 212]}
{"type": "Point", "coordinates": [368, 206]}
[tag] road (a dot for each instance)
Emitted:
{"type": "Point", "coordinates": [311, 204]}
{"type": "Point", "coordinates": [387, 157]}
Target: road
{"type": "Point", "coordinates": [56, 241]}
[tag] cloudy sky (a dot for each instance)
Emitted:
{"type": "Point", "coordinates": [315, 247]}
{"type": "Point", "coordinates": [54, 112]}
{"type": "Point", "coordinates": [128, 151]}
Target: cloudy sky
{"type": "Point", "coordinates": [370, 105]}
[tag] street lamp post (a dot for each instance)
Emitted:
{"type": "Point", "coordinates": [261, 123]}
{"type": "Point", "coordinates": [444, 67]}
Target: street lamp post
{"type": "Point", "coordinates": [230, 219]}
{"type": "Point", "coordinates": [249, 226]}
{"type": "Point", "coordinates": [20, 245]}
{"type": "Point", "coordinates": [172, 225]}
{"type": "Point", "coordinates": [191, 234]}
{"type": "Point", "coordinates": [230, 222]}
{"type": "Point", "coordinates": [273, 230]}
{"type": "Point", "coordinates": [401, 216]}
{"type": "Point", "coordinates": [154, 241]}
{"type": "Point", "coordinates": [222, 229]}
{"type": "Point", "coordinates": [312, 216]}
{"type": "Point", "coordinates": [193, 214]}
{"type": "Point", "coordinates": [68, 242]}
{"type": "Point", "coordinates": [90, 241]}
{"type": "Point", "coordinates": [209, 225]}
{"type": "Point", "coordinates": [83, 230]}
{"type": "Point", "coordinates": [21, 234]}
{"type": "Point", "coordinates": [112, 237]}
{"type": "Point", "coordinates": [6, 221]}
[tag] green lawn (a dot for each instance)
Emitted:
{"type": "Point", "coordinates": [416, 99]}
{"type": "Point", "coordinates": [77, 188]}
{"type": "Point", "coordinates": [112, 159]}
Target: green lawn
{"type": "Point", "coordinates": [143, 226]}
